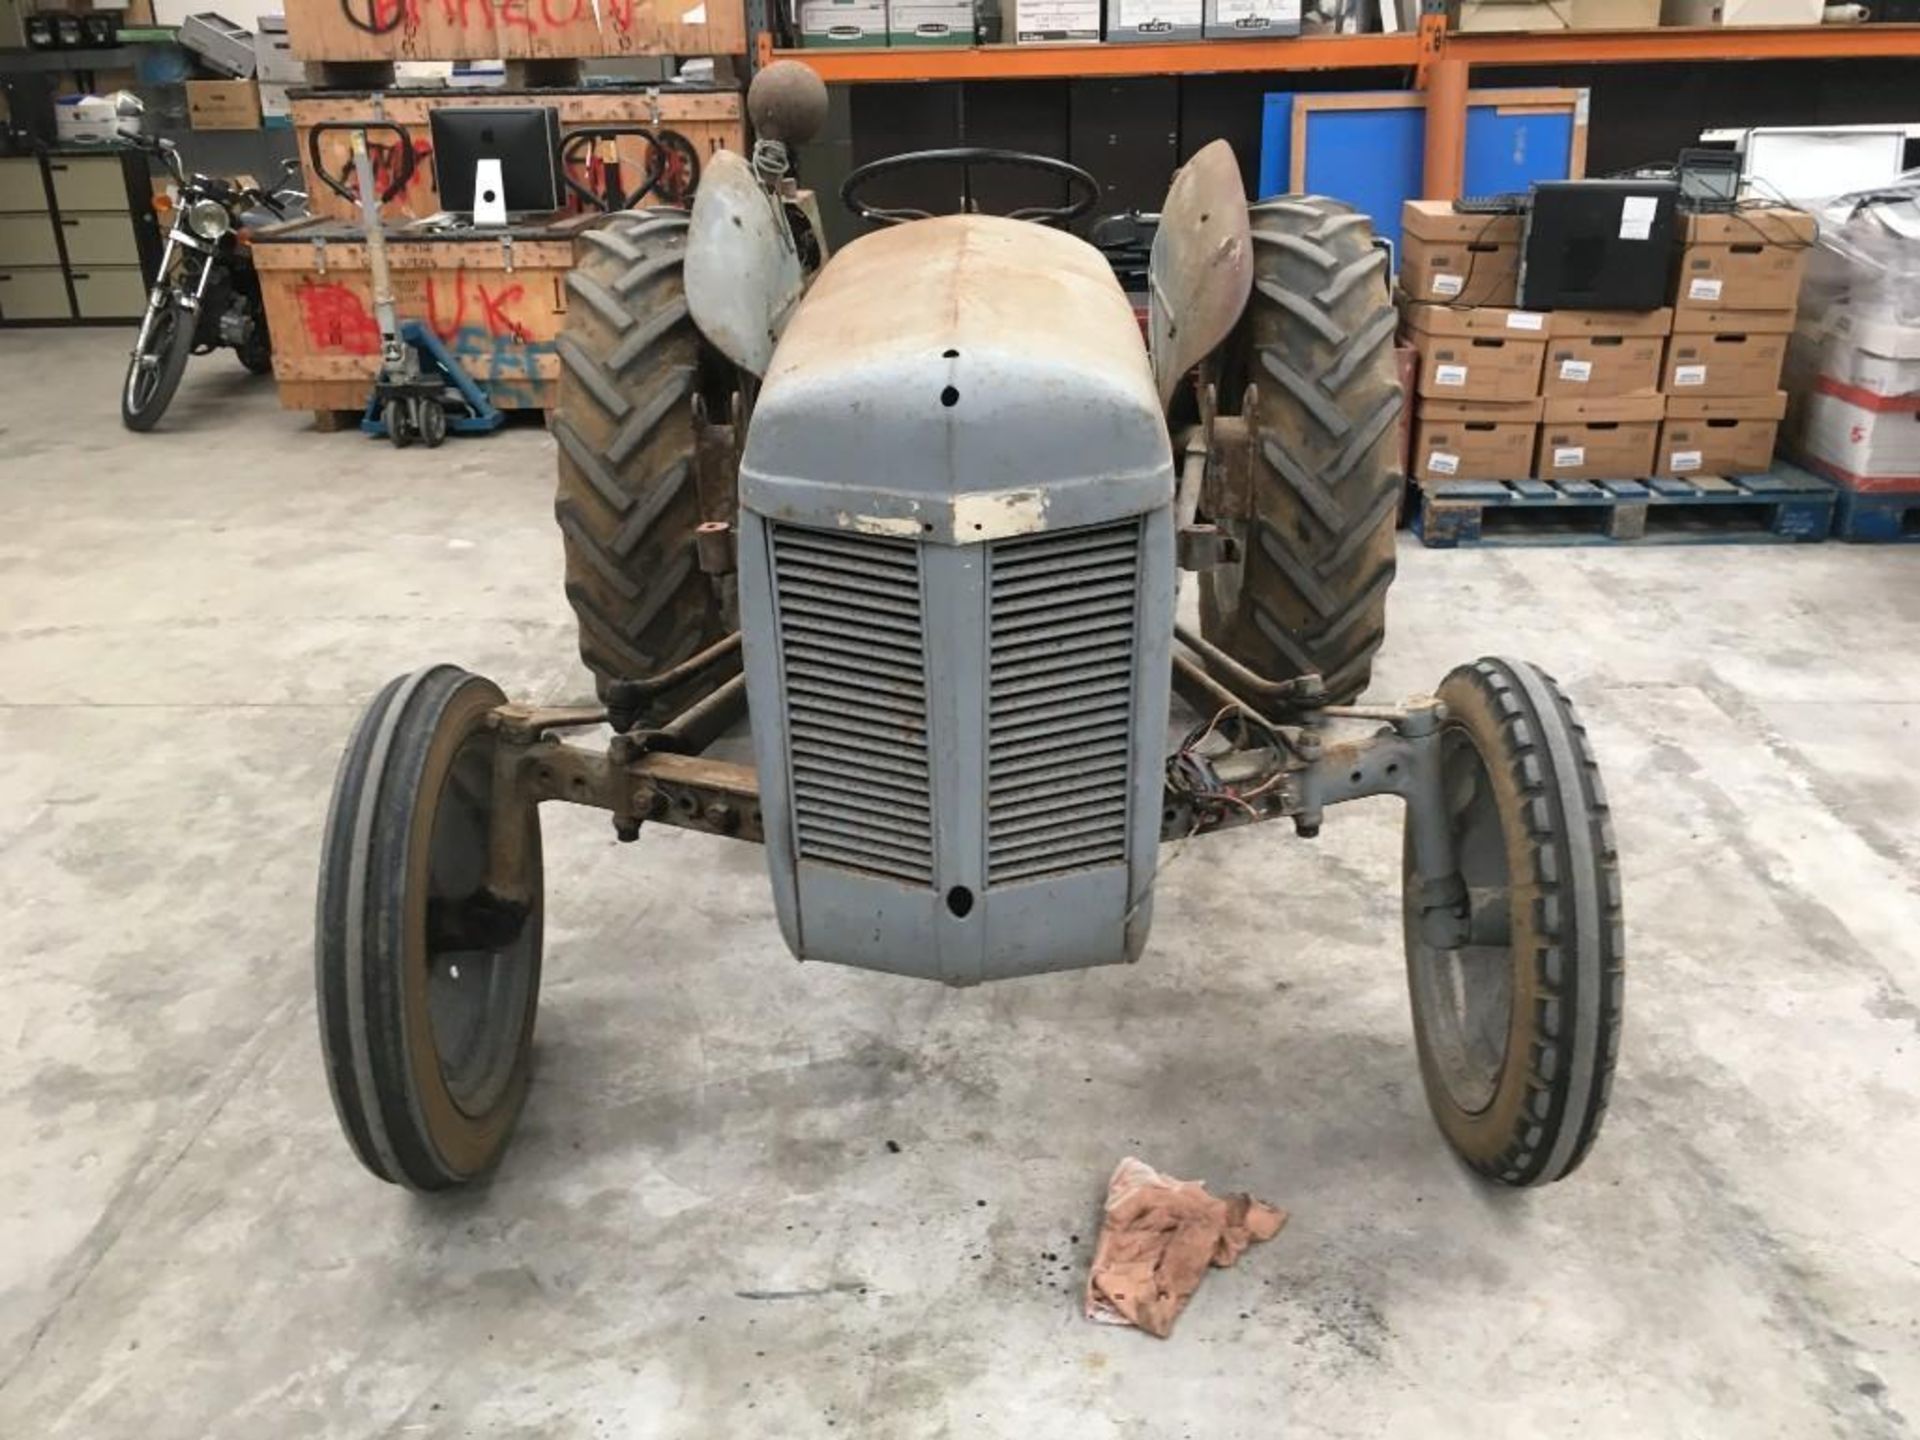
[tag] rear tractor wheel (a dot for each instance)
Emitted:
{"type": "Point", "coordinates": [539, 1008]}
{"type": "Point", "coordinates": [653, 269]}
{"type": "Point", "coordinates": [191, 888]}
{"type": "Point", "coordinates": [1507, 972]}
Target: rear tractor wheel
{"type": "Point", "coordinates": [629, 500]}
{"type": "Point", "coordinates": [1309, 590]}
{"type": "Point", "coordinates": [1518, 1027]}
{"type": "Point", "coordinates": [427, 980]}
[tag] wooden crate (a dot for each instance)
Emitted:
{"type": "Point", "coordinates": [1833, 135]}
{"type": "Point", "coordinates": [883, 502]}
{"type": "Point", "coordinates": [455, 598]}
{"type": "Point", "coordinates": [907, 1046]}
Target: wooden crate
{"type": "Point", "coordinates": [711, 119]}
{"type": "Point", "coordinates": [390, 30]}
{"type": "Point", "coordinates": [496, 299]}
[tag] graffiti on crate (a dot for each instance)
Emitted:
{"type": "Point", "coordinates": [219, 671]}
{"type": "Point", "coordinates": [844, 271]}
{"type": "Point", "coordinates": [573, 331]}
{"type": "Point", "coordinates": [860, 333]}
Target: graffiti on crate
{"type": "Point", "coordinates": [533, 17]}
{"type": "Point", "coordinates": [447, 314]}
{"type": "Point", "coordinates": [335, 320]}
{"type": "Point", "coordinates": [384, 157]}
{"type": "Point", "coordinates": [617, 20]}
{"type": "Point", "coordinates": [374, 17]}
{"type": "Point", "coordinates": [477, 322]}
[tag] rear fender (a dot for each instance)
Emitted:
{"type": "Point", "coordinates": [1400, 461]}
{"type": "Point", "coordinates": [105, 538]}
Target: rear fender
{"type": "Point", "coordinates": [743, 271]}
{"type": "Point", "coordinates": [1201, 271]}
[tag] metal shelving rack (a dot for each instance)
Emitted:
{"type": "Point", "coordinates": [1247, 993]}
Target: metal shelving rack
{"type": "Point", "coordinates": [1440, 63]}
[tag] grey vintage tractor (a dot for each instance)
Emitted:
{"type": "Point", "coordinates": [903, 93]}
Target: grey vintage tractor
{"type": "Point", "coordinates": [921, 511]}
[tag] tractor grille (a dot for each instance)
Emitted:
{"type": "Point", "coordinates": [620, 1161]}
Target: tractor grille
{"type": "Point", "coordinates": [856, 697]}
{"type": "Point", "coordinates": [1060, 701]}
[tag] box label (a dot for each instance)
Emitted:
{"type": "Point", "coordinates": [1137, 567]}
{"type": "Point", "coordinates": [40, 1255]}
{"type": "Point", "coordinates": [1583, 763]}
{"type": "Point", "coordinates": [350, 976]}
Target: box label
{"type": "Point", "coordinates": [1703, 287]}
{"type": "Point", "coordinates": [1685, 460]}
{"type": "Point", "coordinates": [1636, 216]}
{"type": "Point", "coordinates": [1565, 456]}
{"type": "Point", "coordinates": [1442, 463]}
{"type": "Point", "coordinates": [1442, 284]}
{"type": "Point", "coordinates": [1689, 375]}
{"type": "Point", "coordinates": [1450, 374]}
{"type": "Point", "coordinates": [1577, 371]}
{"type": "Point", "coordinates": [1526, 320]}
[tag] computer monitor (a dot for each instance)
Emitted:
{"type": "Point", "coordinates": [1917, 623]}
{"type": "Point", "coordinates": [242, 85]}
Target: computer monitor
{"type": "Point", "coordinates": [1709, 179]}
{"type": "Point", "coordinates": [525, 139]}
{"type": "Point", "coordinates": [1599, 245]}
{"type": "Point", "coordinates": [1808, 162]}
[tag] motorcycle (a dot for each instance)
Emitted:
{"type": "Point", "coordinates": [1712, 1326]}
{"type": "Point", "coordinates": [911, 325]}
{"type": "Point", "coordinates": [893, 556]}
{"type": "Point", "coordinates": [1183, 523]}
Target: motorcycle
{"type": "Point", "coordinates": [206, 293]}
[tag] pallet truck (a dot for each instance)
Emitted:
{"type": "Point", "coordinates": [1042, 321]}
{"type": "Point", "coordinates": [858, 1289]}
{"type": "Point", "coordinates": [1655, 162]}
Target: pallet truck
{"type": "Point", "coordinates": [421, 392]}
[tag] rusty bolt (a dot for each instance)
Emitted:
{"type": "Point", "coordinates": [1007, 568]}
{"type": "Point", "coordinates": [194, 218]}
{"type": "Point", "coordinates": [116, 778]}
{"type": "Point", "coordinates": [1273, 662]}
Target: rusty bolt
{"type": "Point", "coordinates": [723, 817]}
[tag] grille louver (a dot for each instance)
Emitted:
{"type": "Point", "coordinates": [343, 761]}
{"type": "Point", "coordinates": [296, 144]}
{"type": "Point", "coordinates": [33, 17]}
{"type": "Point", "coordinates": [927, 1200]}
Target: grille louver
{"type": "Point", "coordinates": [1060, 701]}
{"type": "Point", "coordinates": [856, 700]}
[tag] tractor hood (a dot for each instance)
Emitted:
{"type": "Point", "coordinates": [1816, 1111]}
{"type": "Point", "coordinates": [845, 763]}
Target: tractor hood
{"type": "Point", "coordinates": [959, 380]}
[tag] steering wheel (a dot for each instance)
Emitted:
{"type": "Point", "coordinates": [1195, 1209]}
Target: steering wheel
{"type": "Point", "coordinates": [966, 157]}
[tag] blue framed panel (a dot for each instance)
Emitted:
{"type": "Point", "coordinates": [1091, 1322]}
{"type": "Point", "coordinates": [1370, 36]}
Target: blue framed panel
{"type": "Point", "coordinates": [1368, 149]}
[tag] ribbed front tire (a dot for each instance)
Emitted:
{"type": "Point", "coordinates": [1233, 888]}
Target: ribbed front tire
{"type": "Point", "coordinates": [427, 982]}
{"type": "Point", "coordinates": [1519, 1028]}
{"type": "Point", "coordinates": [1309, 592]}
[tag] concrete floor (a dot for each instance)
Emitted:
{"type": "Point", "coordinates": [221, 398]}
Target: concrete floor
{"type": "Point", "coordinates": [701, 1230]}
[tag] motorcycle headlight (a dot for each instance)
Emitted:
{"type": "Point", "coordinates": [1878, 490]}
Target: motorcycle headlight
{"type": "Point", "coordinates": [209, 219]}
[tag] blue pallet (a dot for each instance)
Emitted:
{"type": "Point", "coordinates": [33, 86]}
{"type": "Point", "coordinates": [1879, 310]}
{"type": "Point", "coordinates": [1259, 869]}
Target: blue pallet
{"type": "Point", "coordinates": [1784, 506]}
{"type": "Point", "coordinates": [1878, 517]}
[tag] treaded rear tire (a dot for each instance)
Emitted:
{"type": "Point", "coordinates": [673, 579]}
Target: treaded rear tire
{"type": "Point", "coordinates": [1310, 590]}
{"type": "Point", "coordinates": [1564, 957]}
{"type": "Point", "coordinates": [628, 505]}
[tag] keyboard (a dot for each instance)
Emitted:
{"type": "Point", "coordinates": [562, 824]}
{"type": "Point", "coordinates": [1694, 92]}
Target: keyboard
{"type": "Point", "coordinates": [1508, 204]}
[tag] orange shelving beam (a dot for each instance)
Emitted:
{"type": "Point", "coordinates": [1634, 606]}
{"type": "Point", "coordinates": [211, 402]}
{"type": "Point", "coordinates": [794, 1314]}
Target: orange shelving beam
{"type": "Point", "coordinates": [1063, 62]}
{"type": "Point", "coordinates": [1678, 45]}
{"type": "Point", "coordinates": [1357, 52]}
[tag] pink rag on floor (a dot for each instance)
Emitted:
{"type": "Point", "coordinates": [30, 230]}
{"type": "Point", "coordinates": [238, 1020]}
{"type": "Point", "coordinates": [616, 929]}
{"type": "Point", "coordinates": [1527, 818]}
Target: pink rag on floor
{"type": "Point", "coordinates": [1158, 1240]}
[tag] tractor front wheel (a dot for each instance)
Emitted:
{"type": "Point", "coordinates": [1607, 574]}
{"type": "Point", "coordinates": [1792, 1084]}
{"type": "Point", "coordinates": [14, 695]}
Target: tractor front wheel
{"type": "Point", "coordinates": [427, 980]}
{"type": "Point", "coordinates": [1518, 1026]}
{"type": "Point", "coordinates": [1309, 590]}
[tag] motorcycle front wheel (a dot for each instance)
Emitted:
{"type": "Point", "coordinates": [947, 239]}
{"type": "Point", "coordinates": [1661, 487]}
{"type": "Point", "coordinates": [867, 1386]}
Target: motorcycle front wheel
{"type": "Point", "coordinates": [158, 362]}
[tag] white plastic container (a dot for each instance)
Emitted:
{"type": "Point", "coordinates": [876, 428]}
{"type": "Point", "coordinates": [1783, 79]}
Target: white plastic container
{"type": "Point", "coordinates": [84, 119]}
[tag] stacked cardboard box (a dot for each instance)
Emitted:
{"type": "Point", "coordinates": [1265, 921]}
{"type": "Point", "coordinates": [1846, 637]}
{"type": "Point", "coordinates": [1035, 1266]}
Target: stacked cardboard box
{"type": "Point", "coordinates": [1477, 389]}
{"type": "Point", "coordinates": [1738, 281]}
{"type": "Point", "coordinates": [1509, 394]}
{"type": "Point", "coordinates": [843, 22]}
{"type": "Point", "coordinates": [223, 104]}
{"type": "Point", "coordinates": [1602, 408]}
{"type": "Point", "coordinates": [1048, 22]}
{"type": "Point", "coordinates": [1506, 394]}
{"type": "Point", "coordinates": [1452, 259]}
{"type": "Point", "coordinates": [930, 22]}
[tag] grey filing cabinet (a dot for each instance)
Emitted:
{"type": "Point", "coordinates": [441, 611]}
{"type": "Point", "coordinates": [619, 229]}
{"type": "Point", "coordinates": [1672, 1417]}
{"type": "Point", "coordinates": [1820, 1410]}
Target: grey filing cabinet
{"type": "Point", "coordinates": [78, 237]}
